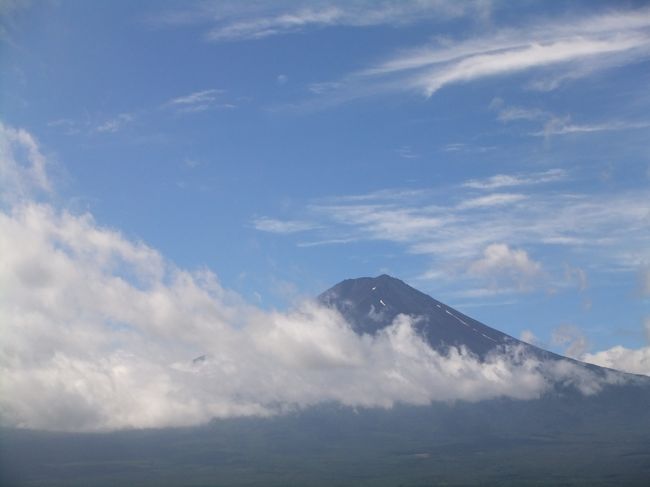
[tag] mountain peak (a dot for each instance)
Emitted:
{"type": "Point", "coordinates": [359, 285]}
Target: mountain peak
{"type": "Point", "coordinates": [386, 277]}
{"type": "Point", "coordinates": [372, 303]}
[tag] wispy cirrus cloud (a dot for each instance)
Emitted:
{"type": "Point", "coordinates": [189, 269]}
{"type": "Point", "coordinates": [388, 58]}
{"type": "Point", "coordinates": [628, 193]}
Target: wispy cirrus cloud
{"type": "Point", "coordinates": [513, 180]}
{"type": "Point", "coordinates": [97, 124]}
{"type": "Point", "coordinates": [272, 225]}
{"type": "Point", "coordinates": [491, 200]}
{"type": "Point", "coordinates": [116, 123]}
{"type": "Point", "coordinates": [567, 47]}
{"type": "Point", "coordinates": [237, 21]}
{"type": "Point", "coordinates": [458, 229]}
{"type": "Point", "coordinates": [564, 126]}
{"type": "Point", "coordinates": [521, 58]}
{"type": "Point", "coordinates": [553, 125]}
{"type": "Point", "coordinates": [199, 101]}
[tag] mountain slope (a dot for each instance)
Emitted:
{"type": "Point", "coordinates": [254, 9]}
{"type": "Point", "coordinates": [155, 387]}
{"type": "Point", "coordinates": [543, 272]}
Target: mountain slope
{"type": "Point", "coordinates": [561, 438]}
{"type": "Point", "coordinates": [370, 304]}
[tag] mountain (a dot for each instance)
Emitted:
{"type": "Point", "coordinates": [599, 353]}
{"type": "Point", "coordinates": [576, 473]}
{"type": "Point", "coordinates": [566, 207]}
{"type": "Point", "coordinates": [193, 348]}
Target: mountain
{"type": "Point", "coordinates": [564, 437]}
{"type": "Point", "coordinates": [372, 303]}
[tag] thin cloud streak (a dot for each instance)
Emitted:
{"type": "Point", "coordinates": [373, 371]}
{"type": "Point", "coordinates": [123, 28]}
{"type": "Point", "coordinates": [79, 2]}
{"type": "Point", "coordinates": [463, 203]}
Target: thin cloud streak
{"type": "Point", "coordinates": [199, 101]}
{"type": "Point", "coordinates": [115, 124]}
{"type": "Point", "coordinates": [593, 44]}
{"type": "Point", "coordinates": [607, 230]}
{"type": "Point", "coordinates": [492, 200]}
{"type": "Point", "coordinates": [272, 225]}
{"type": "Point", "coordinates": [235, 21]}
{"type": "Point", "coordinates": [558, 126]}
{"type": "Point", "coordinates": [508, 180]}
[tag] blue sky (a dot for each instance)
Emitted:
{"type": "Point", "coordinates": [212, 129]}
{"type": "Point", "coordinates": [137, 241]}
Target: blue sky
{"type": "Point", "coordinates": [492, 155]}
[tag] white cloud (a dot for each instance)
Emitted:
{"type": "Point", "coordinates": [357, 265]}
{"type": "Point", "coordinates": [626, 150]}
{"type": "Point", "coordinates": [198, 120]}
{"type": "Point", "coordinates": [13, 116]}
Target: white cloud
{"type": "Point", "coordinates": [324, 87]}
{"type": "Point", "coordinates": [23, 168]}
{"type": "Point", "coordinates": [503, 266]}
{"type": "Point", "coordinates": [191, 163]}
{"type": "Point", "coordinates": [586, 223]}
{"type": "Point", "coordinates": [452, 227]}
{"type": "Point", "coordinates": [508, 180]}
{"type": "Point", "coordinates": [258, 28]}
{"type": "Point", "coordinates": [115, 124]}
{"type": "Point", "coordinates": [521, 58]}
{"type": "Point", "coordinates": [406, 152]}
{"type": "Point", "coordinates": [99, 332]}
{"type": "Point", "coordinates": [508, 114]}
{"type": "Point", "coordinates": [576, 275]}
{"type": "Point", "coordinates": [385, 222]}
{"type": "Point", "coordinates": [236, 21]}
{"type": "Point", "coordinates": [491, 200]}
{"type": "Point", "coordinates": [573, 341]}
{"type": "Point", "coordinates": [282, 79]}
{"type": "Point", "coordinates": [563, 126]}
{"type": "Point", "coordinates": [552, 124]}
{"type": "Point", "coordinates": [636, 361]}
{"type": "Point", "coordinates": [529, 337]}
{"type": "Point", "coordinates": [272, 225]}
{"type": "Point", "coordinates": [562, 48]}
{"type": "Point", "coordinates": [199, 101]}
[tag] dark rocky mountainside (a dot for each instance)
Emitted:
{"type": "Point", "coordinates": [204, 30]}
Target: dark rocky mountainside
{"type": "Point", "coordinates": [372, 303]}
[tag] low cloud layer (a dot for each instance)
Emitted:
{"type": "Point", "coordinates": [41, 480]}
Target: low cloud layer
{"type": "Point", "coordinates": [101, 332]}
{"type": "Point", "coordinates": [635, 360]}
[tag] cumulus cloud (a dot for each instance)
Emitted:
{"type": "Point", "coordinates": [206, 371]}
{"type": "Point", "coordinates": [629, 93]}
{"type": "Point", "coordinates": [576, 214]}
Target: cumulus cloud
{"type": "Point", "coordinates": [573, 341]}
{"type": "Point", "coordinates": [529, 337]}
{"type": "Point", "coordinates": [102, 332]}
{"type": "Point", "coordinates": [636, 361]}
{"type": "Point", "coordinates": [633, 360]}
{"type": "Point", "coordinates": [504, 266]}
{"type": "Point", "coordinates": [99, 332]}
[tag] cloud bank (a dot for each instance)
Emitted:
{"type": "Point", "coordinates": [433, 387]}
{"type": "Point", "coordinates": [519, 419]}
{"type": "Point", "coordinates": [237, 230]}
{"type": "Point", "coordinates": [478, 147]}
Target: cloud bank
{"type": "Point", "coordinates": [100, 332]}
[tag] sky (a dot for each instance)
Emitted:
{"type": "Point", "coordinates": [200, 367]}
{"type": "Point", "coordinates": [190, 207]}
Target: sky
{"type": "Point", "coordinates": [171, 165]}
